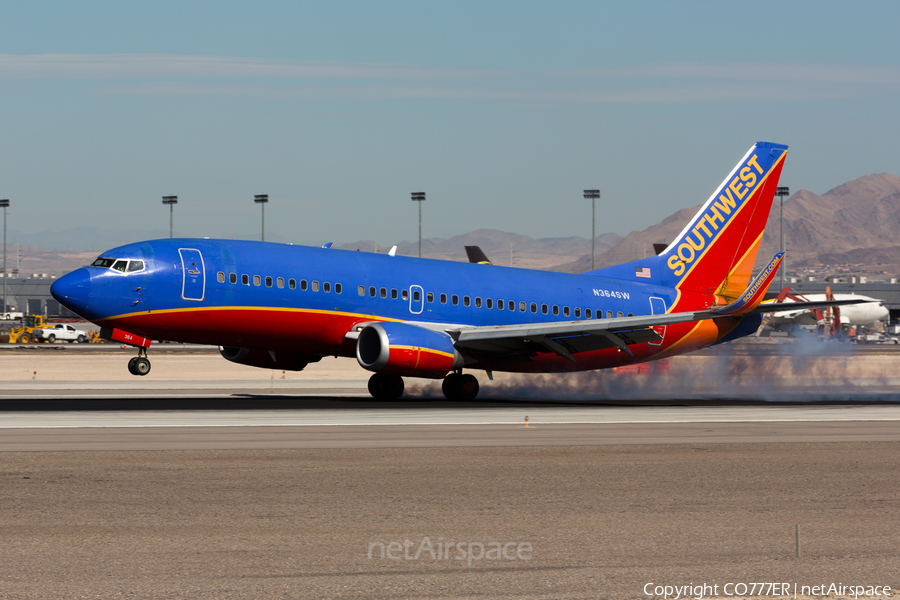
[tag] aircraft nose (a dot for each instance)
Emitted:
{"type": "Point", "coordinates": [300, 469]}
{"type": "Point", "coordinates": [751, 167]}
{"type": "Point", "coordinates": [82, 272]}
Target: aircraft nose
{"type": "Point", "coordinates": [73, 291]}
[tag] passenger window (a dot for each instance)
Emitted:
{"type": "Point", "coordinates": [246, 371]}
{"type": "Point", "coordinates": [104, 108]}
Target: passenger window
{"type": "Point", "coordinates": [489, 302]}
{"type": "Point", "coordinates": [619, 314]}
{"type": "Point", "coordinates": [232, 277]}
{"type": "Point", "coordinates": [292, 284]}
{"type": "Point", "coordinates": [443, 298]}
{"type": "Point", "coordinates": [454, 299]}
{"type": "Point", "coordinates": [404, 294]}
{"type": "Point", "coordinates": [245, 279]}
{"type": "Point", "coordinates": [417, 296]}
{"type": "Point", "coordinates": [303, 285]}
{"type": "Point", "coordinates": [630, 314]}
{"type": "Point", "coordinates": [120, 265]}
{"type": "Point", "coordinates": [268, 282]}
{"type": "Point", "coordinates": [466, 300]}
{"type": "Point", "coordinates": [430, 296]}
{"type": "Point", "coordinates": [599, 314]}
{"type": "Point", "coordinates": [521, 307]}
{"type": "Point", "coordinates": [326, 287]}
{"type": "Point", "coordinates": [394, 294]}
{"type": "Point", "coordinates": [337, 288]}
{"type": "Point", "coordinates": [138, 265]}
{"type": "Point", "coordinates": [511, 304]}
{"type": "Point", "coordinates": [220, 277]}
{"type": "Point", "coordinates": [384, 292]}
{"type": "Point", "coordinates": [565, 311]}
{"type": "Point", "coordinates": [372, 291]}
{"type": "Point", "coordinates": [315, 286]}
{"type": "Point", "coordinates": [587, 313]}
{"type": "Point", "coordinates": [609, 314]}
{"type": "Point", "coordinates": [534, 307]}
{"type": "Point", "coordinates": [280, 282]}
{"type": "Point", "coordinates": [256, 280]}
{"type": "Point", "coordinates": [477, 302]}
{"type": "Point", "coordinates": [362, 290]}
{"type": "Point", "coordinates": [544, 309]}
{"type": "Point", "coordinates": [577, 312]}
{"type": "Point", "coordinates": [555, 310]}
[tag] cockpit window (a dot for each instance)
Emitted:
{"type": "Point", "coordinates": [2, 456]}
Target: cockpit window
{"type": "Point", "coordinates": [120, 265]}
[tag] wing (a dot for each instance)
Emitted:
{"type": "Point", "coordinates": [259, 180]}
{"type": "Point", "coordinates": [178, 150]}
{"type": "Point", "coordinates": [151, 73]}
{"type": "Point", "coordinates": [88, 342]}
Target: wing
{"type": "Point", "coordinates": [511, 344]}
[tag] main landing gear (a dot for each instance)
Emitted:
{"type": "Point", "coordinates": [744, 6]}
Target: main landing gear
{"type": "Point", "coordinates": [140, 364]}
{"type": "Point", "coordinates": [385, 387]}
{"type": "Point", "coordinates": [456, 386]}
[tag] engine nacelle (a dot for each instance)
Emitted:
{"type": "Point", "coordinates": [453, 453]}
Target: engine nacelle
{"type": "Point", "coordinates": [401, 349]}
{"type": "Point", "coordinates": [267, 359]}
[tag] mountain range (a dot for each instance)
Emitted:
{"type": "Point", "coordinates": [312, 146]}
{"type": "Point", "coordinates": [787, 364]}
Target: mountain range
{"type": "Point", "coordinates": [854, 227]}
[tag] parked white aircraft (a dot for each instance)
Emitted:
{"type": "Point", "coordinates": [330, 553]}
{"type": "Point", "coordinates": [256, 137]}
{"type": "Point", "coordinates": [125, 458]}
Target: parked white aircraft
{"type": "Point", "coordinates": [865, 313]}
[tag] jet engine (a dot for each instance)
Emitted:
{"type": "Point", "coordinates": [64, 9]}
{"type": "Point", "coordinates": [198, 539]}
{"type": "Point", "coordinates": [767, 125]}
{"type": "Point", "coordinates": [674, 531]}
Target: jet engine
{"type": "Point", "coordinates": [401, 349]}
{"type": "Point", "coordinates": [267, 359]}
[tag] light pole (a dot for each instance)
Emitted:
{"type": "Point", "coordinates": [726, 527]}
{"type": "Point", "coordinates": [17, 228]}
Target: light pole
{"type": "Point", "coordinates": [5, 204]}
{"type": "Point", "coordinates": [262, 200]}
{"type": "Point", "coordinates": [781, 192]}
{"type": "Point", "coordinates": [420, 198]}
{"type": "Point", "coordinates": [592, 195]}
{"type": "Point", "coordinates": [171, 201]}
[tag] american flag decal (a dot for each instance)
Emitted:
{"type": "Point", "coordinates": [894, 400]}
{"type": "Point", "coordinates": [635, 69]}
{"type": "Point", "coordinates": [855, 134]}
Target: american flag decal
{"type": "Point", "coordinates": [642, 272]}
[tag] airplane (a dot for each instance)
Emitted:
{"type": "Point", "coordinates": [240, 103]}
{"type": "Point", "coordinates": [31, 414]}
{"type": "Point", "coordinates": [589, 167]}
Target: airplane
{"type": "Point", "coordinates": [281, 306]}
{"type": "Point", "coordinates": [869, 310]}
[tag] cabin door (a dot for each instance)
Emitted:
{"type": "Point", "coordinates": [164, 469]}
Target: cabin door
{"type": "Point", "coordinates": [658, 307]}
{"type": "Point", "coordinates": [193, 286]}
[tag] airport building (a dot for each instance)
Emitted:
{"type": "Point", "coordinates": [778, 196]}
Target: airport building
{"type": "Point", "coordinates": [31, 296]}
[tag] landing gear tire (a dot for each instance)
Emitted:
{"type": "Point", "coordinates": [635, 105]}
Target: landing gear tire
{"type": "Point", "coordinates": [139, 365]}
{"type": "Point", "coordinates": [460, 387]}
{"type": "Point", "coordinates": [385, 387]}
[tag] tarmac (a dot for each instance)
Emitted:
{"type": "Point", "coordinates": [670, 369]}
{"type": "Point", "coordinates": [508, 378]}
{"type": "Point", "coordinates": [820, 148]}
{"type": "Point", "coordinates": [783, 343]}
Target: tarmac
{"type": "Point", "coordinates": [210, 480]}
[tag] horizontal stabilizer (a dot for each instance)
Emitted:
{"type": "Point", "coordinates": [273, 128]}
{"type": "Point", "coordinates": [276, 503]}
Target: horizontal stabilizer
{"type": "Point", "coordinates": [754, 294]}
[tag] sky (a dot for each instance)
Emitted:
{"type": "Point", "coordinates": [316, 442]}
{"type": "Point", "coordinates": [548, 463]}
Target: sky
{"type": "Point", "coordinates": [501, 112]}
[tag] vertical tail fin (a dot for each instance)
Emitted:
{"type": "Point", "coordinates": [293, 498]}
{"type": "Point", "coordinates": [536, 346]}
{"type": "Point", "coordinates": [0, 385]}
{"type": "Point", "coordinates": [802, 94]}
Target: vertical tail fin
{"type": "Point", "coordinates": [716, 251]}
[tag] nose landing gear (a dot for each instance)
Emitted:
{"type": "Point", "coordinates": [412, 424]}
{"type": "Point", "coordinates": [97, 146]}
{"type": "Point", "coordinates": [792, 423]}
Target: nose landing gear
{"type": "Point", "coordinates": [140, 364]}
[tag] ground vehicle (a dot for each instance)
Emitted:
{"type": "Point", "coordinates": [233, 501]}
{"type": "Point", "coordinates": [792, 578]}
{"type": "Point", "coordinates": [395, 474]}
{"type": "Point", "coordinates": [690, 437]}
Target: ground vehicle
{"type": "Point", "coordinates": [11, 315]}
{"type": "Point", "coordinates": [60, 332]}
{"type": "Point", "coordinates": [25, 334]}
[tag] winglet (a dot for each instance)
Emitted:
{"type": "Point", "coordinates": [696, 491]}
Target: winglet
{"type": "Point", "coordinates": [754, 294]}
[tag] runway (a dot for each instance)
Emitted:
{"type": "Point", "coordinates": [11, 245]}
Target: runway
{"type": "Point", "coordinates": [176, 422]}
{"type": "Point", "coordinates": [220, 486]}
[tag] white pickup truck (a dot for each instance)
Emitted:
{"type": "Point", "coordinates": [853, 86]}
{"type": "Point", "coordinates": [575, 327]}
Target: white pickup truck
{"type": "Point", "coordinates": [61, 332]}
